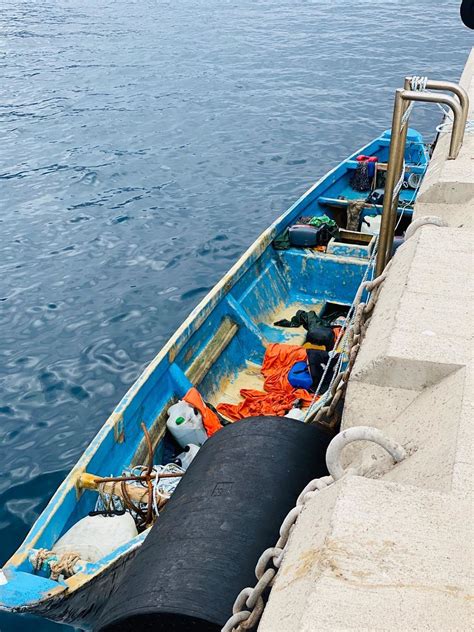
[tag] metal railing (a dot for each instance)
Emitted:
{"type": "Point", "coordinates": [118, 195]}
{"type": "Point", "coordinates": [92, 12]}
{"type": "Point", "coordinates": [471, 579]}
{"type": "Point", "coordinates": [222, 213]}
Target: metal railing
{"type": "Point", "coordinates": [404, 99]}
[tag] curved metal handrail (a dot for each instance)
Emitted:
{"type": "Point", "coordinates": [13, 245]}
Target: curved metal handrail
{"type": "Point", "coordinates": [404, 98]}
{"type": "Point", "coordinates": [449, 86]}
{"type": "Point", "coordinates": [459, 123]}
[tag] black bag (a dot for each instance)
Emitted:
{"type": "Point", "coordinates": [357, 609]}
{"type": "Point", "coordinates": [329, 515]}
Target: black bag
{"type": "Point", "coordinates": [321, 336]}
{"type": "Point", "coordinates": [317, 361]}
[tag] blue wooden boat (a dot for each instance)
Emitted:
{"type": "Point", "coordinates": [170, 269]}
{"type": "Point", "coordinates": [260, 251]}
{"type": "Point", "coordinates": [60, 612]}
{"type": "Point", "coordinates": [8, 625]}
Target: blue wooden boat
{"type": "Point", "coordinates": [219, 349]}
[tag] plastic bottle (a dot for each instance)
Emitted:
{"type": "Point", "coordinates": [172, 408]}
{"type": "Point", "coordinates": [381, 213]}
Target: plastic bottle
{"type": "Point", "coordinates": [185, 458]}
{"type": "Point", "coordinates": [185, 424]}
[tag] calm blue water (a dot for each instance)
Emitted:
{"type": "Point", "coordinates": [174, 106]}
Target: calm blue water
{"type": "Point", "coordinates": [144, 146]}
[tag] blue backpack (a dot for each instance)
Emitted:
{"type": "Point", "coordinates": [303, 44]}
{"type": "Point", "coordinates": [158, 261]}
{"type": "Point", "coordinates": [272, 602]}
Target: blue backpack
{"type": "Point", "coordinates": [299, 376]}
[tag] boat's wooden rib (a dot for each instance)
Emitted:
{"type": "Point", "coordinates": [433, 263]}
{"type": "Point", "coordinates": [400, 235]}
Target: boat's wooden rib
{"type": "Point", "coordinates": [211, 352]}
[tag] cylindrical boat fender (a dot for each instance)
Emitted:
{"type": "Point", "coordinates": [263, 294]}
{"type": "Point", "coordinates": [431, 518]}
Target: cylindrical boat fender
{"type": "Point", "coordinates": [225, 512]}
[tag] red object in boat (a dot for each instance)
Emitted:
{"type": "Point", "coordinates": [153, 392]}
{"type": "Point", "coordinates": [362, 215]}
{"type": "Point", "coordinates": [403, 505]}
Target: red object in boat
{"type": "Point", "coordinates": [362, 158]}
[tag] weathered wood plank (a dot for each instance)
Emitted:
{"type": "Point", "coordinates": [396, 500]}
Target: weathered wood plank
{"type": "Point", "coordinates": [210, 353]}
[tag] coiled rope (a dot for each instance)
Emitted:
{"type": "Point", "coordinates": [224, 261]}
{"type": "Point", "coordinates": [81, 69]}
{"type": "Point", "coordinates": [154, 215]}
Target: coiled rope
{"type": "Point", "coordinates": [419, 84]}
{"type": "Point", "coordinates": [447, 125]}
{"type": "Point", "coordinates": [58, 565]}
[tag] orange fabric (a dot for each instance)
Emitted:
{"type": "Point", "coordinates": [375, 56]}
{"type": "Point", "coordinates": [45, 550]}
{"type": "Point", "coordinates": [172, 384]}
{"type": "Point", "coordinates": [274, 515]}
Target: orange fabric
{"type": "Point", "coordinates": [279, 395]}
{"type": "Point", "coordinates": [336, 331]}
{"type": "Point", "coordinates": [209, 418]}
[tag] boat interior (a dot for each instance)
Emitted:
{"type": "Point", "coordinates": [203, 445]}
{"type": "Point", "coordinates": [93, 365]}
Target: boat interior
{"type": "Point", "coordinates": [220, 348]}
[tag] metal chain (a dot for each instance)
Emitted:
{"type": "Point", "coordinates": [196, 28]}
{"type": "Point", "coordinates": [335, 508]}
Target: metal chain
{"type": "Point", "coordinates": [249, 605]}
{"type": "Point", "coordinates": [358, 323]}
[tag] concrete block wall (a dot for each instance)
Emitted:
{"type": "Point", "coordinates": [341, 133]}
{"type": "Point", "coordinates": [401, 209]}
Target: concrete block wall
{"type": "Point", "coordinates": [395, 551]}
{"type": "Point", "coordinates": [449, 184]}
{"type": "Point", "coordinates": [375, 556]}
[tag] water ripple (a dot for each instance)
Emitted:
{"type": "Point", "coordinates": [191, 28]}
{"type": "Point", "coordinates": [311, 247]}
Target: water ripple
{"type": "Point", "coordinates": [145, 145]}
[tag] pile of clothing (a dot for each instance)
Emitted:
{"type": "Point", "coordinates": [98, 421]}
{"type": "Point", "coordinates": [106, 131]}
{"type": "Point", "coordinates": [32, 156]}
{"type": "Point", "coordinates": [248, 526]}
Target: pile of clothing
{"type": "Point", "coordinates": [322, 333]}
{"type": "Point", "coordinates": [291, 372]}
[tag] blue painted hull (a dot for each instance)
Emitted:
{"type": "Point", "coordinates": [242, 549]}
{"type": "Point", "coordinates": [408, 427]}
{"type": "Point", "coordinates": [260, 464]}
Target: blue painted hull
{"type": "Point", "coordinates": [239, 312]}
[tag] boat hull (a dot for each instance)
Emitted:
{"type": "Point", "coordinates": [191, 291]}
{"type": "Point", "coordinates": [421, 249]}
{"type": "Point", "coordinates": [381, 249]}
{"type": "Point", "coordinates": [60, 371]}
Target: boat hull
{"type": "Point", "coordinates": [83, 606]}
{"type": "Point", "coordinates": [216, 349]}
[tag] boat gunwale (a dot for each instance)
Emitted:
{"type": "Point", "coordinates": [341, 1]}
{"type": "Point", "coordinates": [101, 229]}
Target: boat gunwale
{"type": "Point", "coordinates": [169, 350]}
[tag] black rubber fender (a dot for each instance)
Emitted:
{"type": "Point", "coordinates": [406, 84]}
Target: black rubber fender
{"type": "Point", "coordinates": [225, 512]}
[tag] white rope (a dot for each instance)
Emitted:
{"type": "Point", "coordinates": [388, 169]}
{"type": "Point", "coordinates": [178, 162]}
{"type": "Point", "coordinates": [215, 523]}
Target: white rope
{"type": "Point", "coordinates": [164, 487]}
{"type": "Point", "coordinates": [426, 220]}
{"type": "Point", "coordinates": [417, 84]}
{"type": "Point", "coordinates": [447, 125]}
{"type": "Point", "coordinates": [399, 184]}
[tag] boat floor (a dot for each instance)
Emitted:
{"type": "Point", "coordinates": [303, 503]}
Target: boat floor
{"type": "Point", "coordinates": [251, 377]}
{"type": "Point", "coordinates": [287, 335]}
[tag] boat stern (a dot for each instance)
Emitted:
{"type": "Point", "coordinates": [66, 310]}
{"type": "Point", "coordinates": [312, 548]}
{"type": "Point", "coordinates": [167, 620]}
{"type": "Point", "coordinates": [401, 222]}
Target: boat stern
{"type": "Point", "coordinates": [20, 591]}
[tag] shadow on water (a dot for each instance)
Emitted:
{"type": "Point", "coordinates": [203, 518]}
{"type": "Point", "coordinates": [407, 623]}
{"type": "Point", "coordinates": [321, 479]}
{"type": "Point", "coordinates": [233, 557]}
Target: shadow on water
{"type": "Point", "coordinates": [20, 505]}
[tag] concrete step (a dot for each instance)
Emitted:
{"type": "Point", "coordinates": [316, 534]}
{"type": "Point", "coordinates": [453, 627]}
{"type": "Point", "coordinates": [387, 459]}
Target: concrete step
{"type": "Point", "coordinates": [413, 377]}
{"type": "Point", "coordinates": [374, 555]}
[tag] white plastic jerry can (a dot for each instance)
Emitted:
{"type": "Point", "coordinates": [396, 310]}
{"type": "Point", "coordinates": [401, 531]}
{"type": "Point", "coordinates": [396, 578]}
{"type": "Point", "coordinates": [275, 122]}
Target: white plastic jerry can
{"type": "Point", "coordinates": [185, 459]}
{"type": "Point", "coordinates": [185, 424]}
{"type": "Point", "coordinates": [371, 225]}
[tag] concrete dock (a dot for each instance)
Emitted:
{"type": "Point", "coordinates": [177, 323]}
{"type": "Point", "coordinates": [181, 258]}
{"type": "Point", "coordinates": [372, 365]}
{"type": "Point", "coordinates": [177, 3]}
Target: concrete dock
{"type": "Point", "coordinates": [393, 549]}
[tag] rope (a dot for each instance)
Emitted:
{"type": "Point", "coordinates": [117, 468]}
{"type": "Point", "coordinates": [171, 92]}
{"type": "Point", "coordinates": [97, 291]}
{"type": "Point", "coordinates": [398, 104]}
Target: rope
{"type": "Point", "coordinates": [249, 604]}
{"type": "Point", "coordinates": [41, 558]}
{"type": "Point", "coordinates": [447, 125]}
{"type": "Point", "coordinates": [157, 482]}
{"type": "Point", "coordinates": [62, 565]}
{"type": "Point", "coordinates": [352, 329]}
{"type": "Point", "coordinates": [417, 84]}
{"type": "Point", "coordinates": [399, 184]}
{"type": "Point", "coordinates": [426, 220]}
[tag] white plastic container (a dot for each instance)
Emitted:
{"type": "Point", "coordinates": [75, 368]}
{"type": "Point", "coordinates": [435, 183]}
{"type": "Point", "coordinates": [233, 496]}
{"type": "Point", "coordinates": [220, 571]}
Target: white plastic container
{"type": "Point", "coordinates": [371, 225]}
{"type": "Point", "coordinates": [185, 458]}
{"type": "Point", "coordinates": [94, 537]}
{"type": "Point", "coordinates": [185, 424]}
{"type": "Point", "coordinates": [296, 413]}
